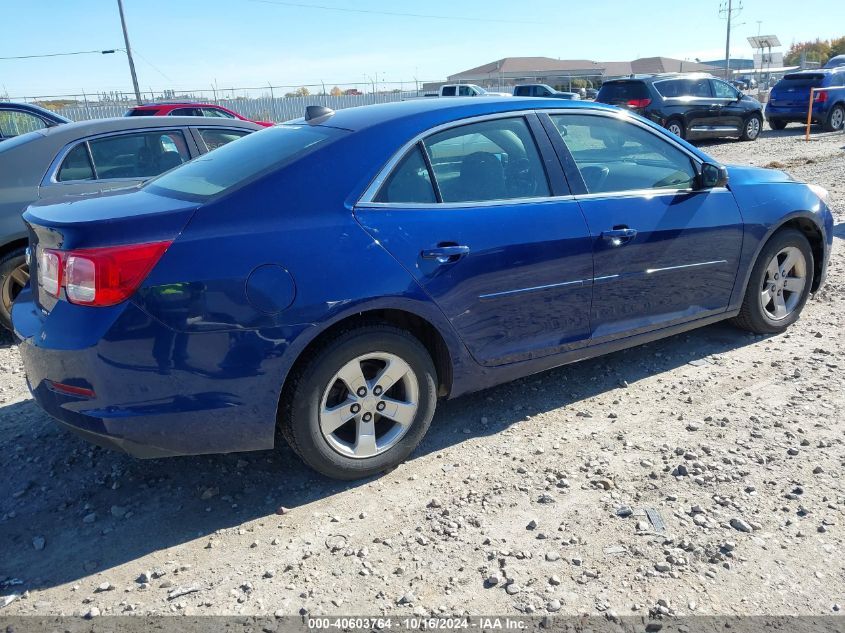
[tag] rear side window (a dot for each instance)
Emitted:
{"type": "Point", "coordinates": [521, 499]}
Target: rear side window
{"type": "Point", "coordinates": [186, 112]}
{"type": "Point", "coordinates": [410, 182]}
{"type": "Point", "coordinates": [523, 91]}
{"type": "Point", "coordinates": [141, 155]}
{"type": "Point", "coordinates": [235, 163]}
{"type": "Point", "coordinates": [485, 161]}
{"type": "Point", "coordinates": [449, 91]}
{"type": "Point", "coordinates": [622, 91]}
{"type": "Point", "coordinates": [76, 165]}
{"type": "Point", "coordinates": [683, 88]}
{"type": "Point", "coordinates": [149, 112]}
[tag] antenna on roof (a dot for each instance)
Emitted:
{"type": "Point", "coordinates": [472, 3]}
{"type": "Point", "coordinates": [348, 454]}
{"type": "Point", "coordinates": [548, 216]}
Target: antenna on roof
{"type": "Point", "coordinates": [315, 114]}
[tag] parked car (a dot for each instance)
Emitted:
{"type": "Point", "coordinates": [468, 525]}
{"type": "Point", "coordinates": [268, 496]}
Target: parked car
{"type": "Point", "coordinates": [85, 158]}
{"type": "Point", "coordinates": [20, 118]}
{"type": "Point", "coordinates": [690, 105]}
{"type": "Point", "coordinates": [591, 93]}
{"type": "Point", "coordinates": [464, 90]}
{"type": "Point", "coordinates": [835, 62]}
{"type": "Point", "coordinates": [542, 90]}
{"type": "Point", "coordinates": [190, 109]}
{"type": "Point", "coordinates": [449, 246]}
{"type": "Point", "coordinates": [790, 99]}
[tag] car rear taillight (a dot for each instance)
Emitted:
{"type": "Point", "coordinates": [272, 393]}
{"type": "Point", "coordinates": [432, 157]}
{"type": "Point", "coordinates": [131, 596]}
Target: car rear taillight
{"type": "Point", "coordinates": [639, 103]}
{"type": "Point", "coordinates": [820, 97]}
{"type": "Point", "coordinates": [98, 276]}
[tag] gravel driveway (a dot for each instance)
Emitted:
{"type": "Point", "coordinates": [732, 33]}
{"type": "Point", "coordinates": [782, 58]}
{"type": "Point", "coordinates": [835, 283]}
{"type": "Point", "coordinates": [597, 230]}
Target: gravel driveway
{"type": "Point", "coordinates": [700, 474]}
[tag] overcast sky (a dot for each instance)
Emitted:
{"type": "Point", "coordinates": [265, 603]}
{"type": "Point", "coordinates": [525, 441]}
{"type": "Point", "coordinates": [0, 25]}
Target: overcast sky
{"type": "Point", "coordinates": [191, 44]}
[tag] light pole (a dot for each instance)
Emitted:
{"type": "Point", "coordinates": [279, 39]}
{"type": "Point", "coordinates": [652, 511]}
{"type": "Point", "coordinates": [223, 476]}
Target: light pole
{"type": "Point", "coordinates": [727, 9]}
{"type": "Point", "coordinates": [129, 52]}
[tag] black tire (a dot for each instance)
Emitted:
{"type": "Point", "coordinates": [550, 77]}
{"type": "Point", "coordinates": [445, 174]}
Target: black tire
{"type": "Point", "coordinates": [777, 125]}
{"type": "Point", "coordinates": [299, 414]}
{"type": "Point", "coordinates": [11, 283]}
{"type": "Point", "coordinates": [681, 128]}
{"type": "Point", "coordinates": [752, 316]}
{"type": "Point", "coordinates": [835, 120]}
{"type": "Point", "coordinates": [748, 130]}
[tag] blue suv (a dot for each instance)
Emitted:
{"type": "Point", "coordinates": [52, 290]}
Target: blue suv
{"type": "Point", "coordinates": [790, 97]}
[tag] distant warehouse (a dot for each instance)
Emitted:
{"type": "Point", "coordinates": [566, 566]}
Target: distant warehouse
{"type": "Point", "coordinates": [560, 73]}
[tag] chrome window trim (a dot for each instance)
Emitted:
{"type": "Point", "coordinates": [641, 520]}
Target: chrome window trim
{"type": "Point", "coordinates": [53, 169]}
{"type": "Point", "coordinates": [367, 198]}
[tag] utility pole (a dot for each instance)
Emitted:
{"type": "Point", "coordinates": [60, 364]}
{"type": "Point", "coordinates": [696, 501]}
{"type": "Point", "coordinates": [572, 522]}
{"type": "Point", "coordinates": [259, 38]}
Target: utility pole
{"type": "Point", "coordinates": [727, 10]}
{"type": "Point", "coordinates": [129, 52]}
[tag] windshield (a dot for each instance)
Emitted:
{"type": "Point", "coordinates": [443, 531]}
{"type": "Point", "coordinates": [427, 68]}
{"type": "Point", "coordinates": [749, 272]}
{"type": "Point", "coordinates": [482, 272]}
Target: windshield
{"type": "Point", "coordinates": [242, 160]}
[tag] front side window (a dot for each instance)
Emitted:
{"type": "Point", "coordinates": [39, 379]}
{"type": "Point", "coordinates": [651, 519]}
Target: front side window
{"type": "Point", "coordinates": [14, 123]}
{"type": "Point", "coordinates": [214, 138]}
{"type": "Point", "coordinates": [615, 155]}
{"type": "Point", "coordinates": [76, 165]}
{"type": "Point", "coordinates": [489, 160]}
{"type": "Point", "coordinates": [464, 91]}
{"type": "Point", "coordinates": [215, 112]}
{"type": "Point", "coordinates": [140, 155]}
{"type": "Point", "coordinates": [723, 90]}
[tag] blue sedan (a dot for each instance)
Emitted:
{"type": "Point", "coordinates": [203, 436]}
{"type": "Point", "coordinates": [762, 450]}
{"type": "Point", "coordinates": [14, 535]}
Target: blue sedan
{"type": "Point", "coordinates": [333, 277]}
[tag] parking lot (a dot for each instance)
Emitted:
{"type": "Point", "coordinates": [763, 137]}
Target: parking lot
{"type": "Point", "coordinates": [700, 474]}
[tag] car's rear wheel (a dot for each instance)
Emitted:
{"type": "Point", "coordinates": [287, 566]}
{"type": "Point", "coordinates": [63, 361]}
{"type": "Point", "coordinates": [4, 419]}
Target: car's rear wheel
{"type": "Point", "coordinates": [362, 403]}
{"type": "Point", "coordinates": [777, 125]}
{"type": "Point", "coordinates": [835, 120]}
{"type": "Point", "coordinates": [14, 275]}
{"type": "Point", "coordinates": [779, 285]}
{"type": "Point", "coordinates": [751, 128]}
{"type": "Point", "coordinates": [677, 127]}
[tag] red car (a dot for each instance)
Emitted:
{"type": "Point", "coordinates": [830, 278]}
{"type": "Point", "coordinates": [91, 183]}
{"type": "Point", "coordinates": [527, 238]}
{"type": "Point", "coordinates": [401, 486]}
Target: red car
{"type": "Point", "coordinates": [189, 109]}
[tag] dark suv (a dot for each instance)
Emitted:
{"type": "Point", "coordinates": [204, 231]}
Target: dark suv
{"type": "Point", "coordinates": [692, 106]}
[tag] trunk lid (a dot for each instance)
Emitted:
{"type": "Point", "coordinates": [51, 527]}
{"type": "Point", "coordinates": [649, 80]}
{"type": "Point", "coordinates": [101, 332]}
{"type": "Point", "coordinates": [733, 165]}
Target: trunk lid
{"type": "Point", "coordinates": [108, 219]}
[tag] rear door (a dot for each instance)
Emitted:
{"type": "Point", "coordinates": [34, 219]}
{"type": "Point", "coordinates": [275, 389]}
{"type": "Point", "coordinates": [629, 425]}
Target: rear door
{"type": "Point", "coordinates": [690, 99]}
{"type": "Point", "coordinates": [479, 214]}
{"type": "Point", "coordinates": [664, 252]}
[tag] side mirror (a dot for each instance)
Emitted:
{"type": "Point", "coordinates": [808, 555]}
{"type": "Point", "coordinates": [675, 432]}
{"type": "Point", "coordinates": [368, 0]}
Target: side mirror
{"type": "Point", "coordinates": [712, 176]}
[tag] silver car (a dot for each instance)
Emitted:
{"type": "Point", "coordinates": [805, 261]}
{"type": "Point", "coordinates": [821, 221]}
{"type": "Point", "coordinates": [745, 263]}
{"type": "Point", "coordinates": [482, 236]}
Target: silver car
{"type": "Point", "coordinates": [89, 157]}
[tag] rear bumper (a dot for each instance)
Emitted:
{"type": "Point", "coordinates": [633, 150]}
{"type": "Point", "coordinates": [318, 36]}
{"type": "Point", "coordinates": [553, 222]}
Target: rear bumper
{"type": "Point", "coordinates": [158, 392]}
{"type": "Point", "coordinates": [794, 114]}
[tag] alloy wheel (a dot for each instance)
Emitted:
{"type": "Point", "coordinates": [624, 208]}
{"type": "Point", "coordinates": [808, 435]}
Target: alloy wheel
{"type": "Point", "coordinates": [837, 117]}
{"type": "Point", "coordinates": [752, 128]}
{"type": "Point", "coordinates": [369, 405]}
{"type": "Point", "coordinates": [783, 283]}
{"type": "Point", "coordinates": [14, 283]}
{"type": "Point", "coordinates": [675, 128]}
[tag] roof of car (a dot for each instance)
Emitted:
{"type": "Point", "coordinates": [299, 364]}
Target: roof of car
{"type": "Point", "coordinates": [661, 76]}
{"type": "Point", "coordinates": [81, 129]}
{"type": "Point", "coordinates": [30, 107]}
{"type": "Point", "coordinates": [433, 111]}
{"type": "Point", "coordinates": [168, 104]}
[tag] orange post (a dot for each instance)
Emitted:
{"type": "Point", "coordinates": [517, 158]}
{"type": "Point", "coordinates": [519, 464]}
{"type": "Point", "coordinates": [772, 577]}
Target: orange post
{"type": "Point", "coordinates": [810, 113]}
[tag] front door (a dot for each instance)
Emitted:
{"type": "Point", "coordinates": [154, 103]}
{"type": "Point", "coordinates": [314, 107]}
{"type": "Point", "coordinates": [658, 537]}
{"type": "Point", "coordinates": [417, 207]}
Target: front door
{"type": "Point", "coordinates": [664, 252]}
{"type": "Point", "coordinates": [732, 110]}
{"type": "Point", "coordinates": [481, 225]}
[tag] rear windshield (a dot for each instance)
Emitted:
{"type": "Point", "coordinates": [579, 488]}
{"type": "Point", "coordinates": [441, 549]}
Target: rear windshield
{"type": "Point", "coordinates": [242, 160]}
{"type": "Point", "coordinates": [622, 91]}
{"type": "Point", "coordinates": [800, 80]}
{"type": "Point", "coordinates": [149, 112]}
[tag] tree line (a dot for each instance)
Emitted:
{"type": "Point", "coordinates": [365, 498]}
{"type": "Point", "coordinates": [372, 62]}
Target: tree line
{"type": "Point", "coordinates": [817, 50]}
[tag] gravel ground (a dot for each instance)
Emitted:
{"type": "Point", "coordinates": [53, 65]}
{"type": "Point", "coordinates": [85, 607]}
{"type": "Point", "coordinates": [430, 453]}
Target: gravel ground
{"type": "Point", "coordinates": [531, 497]}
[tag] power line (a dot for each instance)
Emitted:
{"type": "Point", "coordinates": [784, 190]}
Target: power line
{"type": "Point", "coordinates": [397, 14]}
{"type": "Point", "coordinates": [103, 52]}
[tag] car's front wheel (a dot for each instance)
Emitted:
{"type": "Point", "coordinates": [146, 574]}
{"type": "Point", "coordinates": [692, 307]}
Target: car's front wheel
{"type": "Point", "coordinates": [835, 119]}
{"type": "Point", "coordinates": [361, 403]}
{"type": "Point", "coordinates": [779, 284]}
{"type": "Point", "coordinates": [751, 129]}
{"type": "Point", "coordinates": [14, 275]}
